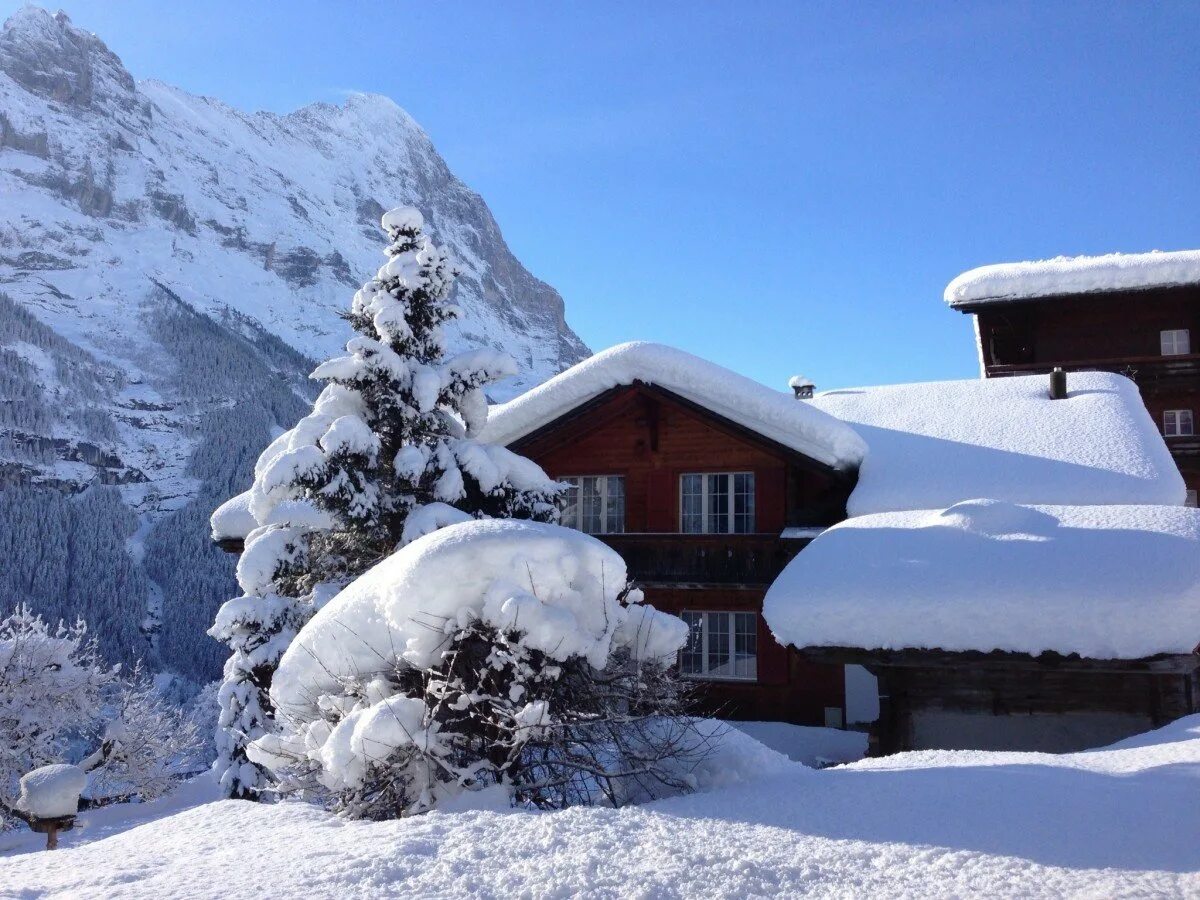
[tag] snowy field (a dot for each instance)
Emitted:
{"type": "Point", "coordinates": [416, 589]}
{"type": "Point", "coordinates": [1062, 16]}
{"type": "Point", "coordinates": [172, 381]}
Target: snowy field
{"type": "Point", "coordinates": [1118, 822]}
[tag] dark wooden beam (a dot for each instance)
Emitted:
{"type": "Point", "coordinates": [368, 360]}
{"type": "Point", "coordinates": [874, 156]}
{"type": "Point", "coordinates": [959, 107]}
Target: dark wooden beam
{"type": "Point", "coordinates": [1163, 663]}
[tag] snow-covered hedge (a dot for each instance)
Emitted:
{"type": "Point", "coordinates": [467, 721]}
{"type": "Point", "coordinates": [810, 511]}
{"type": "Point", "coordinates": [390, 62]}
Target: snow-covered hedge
{"type": "Point", "coordinates": [382, 671]}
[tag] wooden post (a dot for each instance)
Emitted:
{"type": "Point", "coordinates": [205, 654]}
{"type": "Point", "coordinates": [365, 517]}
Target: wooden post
{"type": "Point", "coordinates": [51, 828]}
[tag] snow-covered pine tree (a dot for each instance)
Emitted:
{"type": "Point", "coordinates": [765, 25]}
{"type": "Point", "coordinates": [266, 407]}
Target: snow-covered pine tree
{"type": "Point", "coordinates": [386, 455]}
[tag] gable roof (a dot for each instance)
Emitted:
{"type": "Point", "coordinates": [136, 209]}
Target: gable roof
{"type": "Point", "coordinates": [1065, 275]}
{"type": "Point", "coordinates": [770, 413]}
{"type": "Point", "coordinates": [931, 445]}
{"type": "Point", "coordinates": [1106, 582]}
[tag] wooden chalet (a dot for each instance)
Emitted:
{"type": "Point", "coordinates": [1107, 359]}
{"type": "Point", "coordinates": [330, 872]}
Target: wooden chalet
{"type": "Point", "coordinates": [985, 626]}
{"type": "Point", "coordinates": [1136, 314]}
{"type": "Point", "coordinates": [705, 508]}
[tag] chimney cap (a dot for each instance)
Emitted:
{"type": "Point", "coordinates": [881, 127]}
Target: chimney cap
{"type": "Point", "coordinates": [802, 387]}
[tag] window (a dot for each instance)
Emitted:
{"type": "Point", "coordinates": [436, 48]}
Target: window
{"type": "Point", "coordinates": [721, 645]}
{"type": "Point", "coordinates": [720, 503]}
{"type": "Point", "coordinates": [1175, 341]}
{"type": "Point", "coordinates": [595, 503]}
{"type": "Point", "coordinates": [1177, 422]}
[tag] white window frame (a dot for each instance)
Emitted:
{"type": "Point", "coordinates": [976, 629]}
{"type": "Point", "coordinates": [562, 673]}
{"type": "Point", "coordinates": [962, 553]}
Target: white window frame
{"type": "Point", "coordinates": [731, 513]}
{"type": "Point", "coordinates": [576, 481]}
{"type": "Point", "coordinates": [731, 620]}
{"type": "Point", "coordinates": [1175, 341]}
{"type": "Point", "coordinates": [1178, 423]}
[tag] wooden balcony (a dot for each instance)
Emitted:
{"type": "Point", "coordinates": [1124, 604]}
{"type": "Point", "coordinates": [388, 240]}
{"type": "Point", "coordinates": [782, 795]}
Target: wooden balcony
{"type": "Point", "coordinates": [1147, 371]}
{"type": "Point", "coordinates": [1184, 445]}
{"type": "Point", "coordinates": [727, 559]}
{"type": "Point", "coordinates": [743, 559]}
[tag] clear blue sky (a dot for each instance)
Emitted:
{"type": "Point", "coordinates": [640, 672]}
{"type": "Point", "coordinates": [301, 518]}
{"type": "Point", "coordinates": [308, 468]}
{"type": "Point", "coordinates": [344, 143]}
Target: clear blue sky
{"type": "Point", "coordinates": [781, 187]}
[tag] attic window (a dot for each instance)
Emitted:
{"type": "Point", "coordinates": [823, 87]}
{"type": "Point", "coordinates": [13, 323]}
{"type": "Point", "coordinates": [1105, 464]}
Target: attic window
{"type": "Point", "coordinates": [1175, 342]}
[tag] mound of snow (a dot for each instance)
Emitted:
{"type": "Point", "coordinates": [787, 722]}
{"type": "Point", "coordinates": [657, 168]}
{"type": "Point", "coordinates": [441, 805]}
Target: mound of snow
{"type": "Point", "coordinates": [995, 518]}
{"type": "Point", "coordinates": [52, 792]}
{"type": "Point", "coordinates": [771, 413]}
{"type": "Point", "coordinates": [813, 747]}
{"type": "Point", "coordinates": [1106, 582]}
{"type": "Point", "coordinates": [233, 518]}
{"type": "Point", "coordinates": [1074, 275]}
{"type": "Point", "coordinates": [934, 444]}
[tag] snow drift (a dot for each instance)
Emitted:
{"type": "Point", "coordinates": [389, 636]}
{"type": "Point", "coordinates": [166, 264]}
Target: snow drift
{"type": "Point", "coordinates": [1115, 822]}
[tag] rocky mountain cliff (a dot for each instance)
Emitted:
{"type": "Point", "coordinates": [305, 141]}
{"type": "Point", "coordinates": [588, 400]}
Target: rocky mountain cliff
{"type": "Point", "coordinates": [170, 268]}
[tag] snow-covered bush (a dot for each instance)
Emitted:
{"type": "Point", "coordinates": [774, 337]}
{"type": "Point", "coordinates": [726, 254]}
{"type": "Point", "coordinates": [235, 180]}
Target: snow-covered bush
{"type": "Point", "coordinates": [147, 745]}
{"type": "Point", "coordinates": [488, 652]}
{"type": "Point", "coordinates": [57, 701]}
{"type": "Point", "coordinates": [387, 454]}
{"type": "Point", "coordinates": [52, 685]}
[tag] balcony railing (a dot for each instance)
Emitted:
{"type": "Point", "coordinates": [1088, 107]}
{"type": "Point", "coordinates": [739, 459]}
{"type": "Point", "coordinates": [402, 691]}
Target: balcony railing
{"type": "Point", "coordinates": [687, 558]}
{"type": "Point", "coordinates": [1145, 370]}
{"type": "Point", "coordinates": [751, 559]}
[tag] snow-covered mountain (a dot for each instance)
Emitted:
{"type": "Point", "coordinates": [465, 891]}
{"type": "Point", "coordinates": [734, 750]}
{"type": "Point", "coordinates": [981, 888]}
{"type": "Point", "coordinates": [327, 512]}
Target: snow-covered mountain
{"type": "Point", "coordinates": [170, 267]}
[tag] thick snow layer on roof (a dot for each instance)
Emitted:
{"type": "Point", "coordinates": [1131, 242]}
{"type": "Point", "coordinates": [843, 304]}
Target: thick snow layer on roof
{"type": "Point", "coordinates": [1106, 582]}
{"type": "Point", "coordinates": [773, 414]}
{"type": "Point", "coordinates": [1075, 275]}
{"type": "Point", "coordinates": [933, 444]}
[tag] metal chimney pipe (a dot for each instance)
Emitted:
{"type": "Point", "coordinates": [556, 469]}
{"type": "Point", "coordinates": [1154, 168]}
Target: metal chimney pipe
{"type": "Point", "coordinates": [1058, 384]}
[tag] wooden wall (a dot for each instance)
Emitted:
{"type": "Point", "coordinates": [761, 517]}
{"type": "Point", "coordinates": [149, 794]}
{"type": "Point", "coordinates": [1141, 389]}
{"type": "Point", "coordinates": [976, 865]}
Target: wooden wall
{"type": "Point", "coordinates": [652, 438]}
{"type": "Point", "coordinates": [789, 687]}
{"type": "Point", "coordinates": [1095, 326]}
{"type": "Point", "coordinates": [1067, 702]}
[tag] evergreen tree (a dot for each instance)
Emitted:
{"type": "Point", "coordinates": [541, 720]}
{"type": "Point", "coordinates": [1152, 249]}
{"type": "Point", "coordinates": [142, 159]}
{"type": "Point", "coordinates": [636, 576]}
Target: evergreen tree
{"type": "Point", "coordinates": [386, 455]}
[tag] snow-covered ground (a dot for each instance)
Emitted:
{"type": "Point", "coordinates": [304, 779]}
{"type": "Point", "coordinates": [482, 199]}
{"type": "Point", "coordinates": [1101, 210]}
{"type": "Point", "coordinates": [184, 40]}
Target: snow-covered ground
{"type": "Point", "coordinates": [1116, 822]}
{"type": "Point", "coordinates": [816, 747]}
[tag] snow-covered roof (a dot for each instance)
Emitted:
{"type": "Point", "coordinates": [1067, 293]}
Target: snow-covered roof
{"type": "Point", "coordinates": [1106, 582]}
{"type": "Point", "coordinates": [1074, 275]}
{"type": "Point", "coordinates": [931, 445]}
{"type": "Point", "coordinates": [773, 414]}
